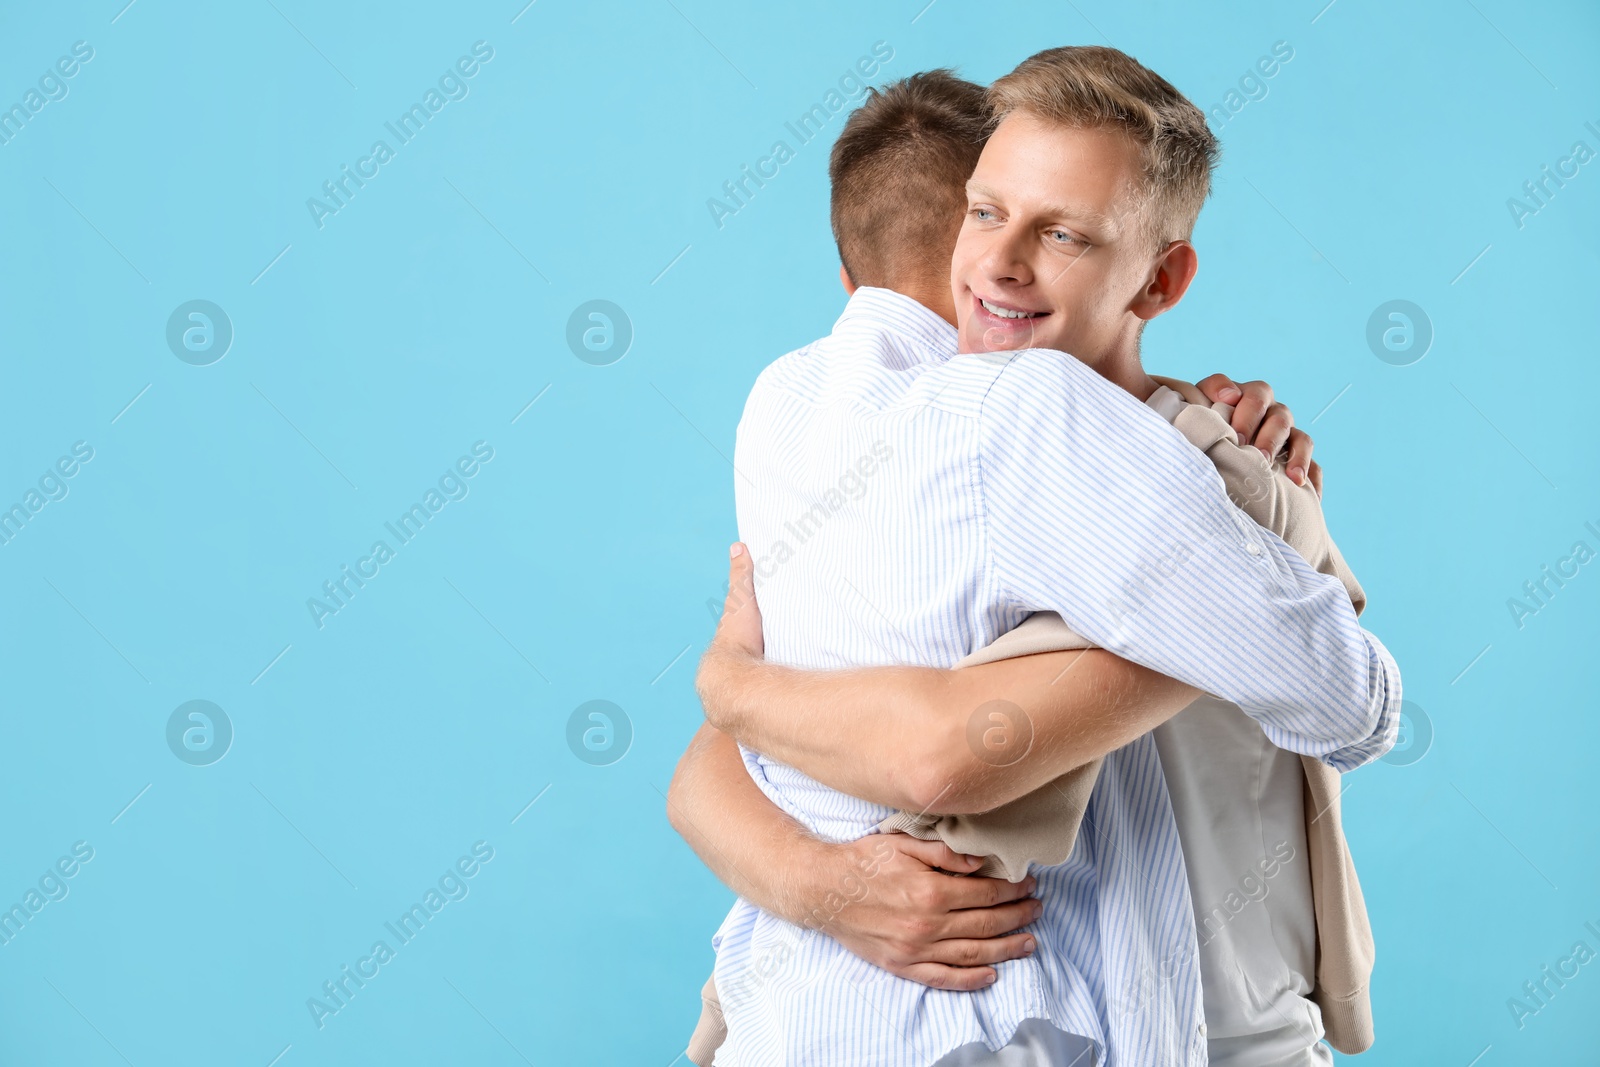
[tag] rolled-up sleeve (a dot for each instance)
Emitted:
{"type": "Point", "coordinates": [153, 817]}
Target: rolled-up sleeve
{"type": "Point", "coordinates": [1096, 508]}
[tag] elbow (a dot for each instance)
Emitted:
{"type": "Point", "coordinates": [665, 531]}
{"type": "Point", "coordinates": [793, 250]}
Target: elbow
{"type": "Point", "coordinates": [723, 684]}
{"type": "Point", "coordinates": [679, 794]}
{"type": "Point", "coordinates": [973, 787]}
{"type": "Point", "coordinates": [1382, 722]}
{"type": "Point", "coordinates": [959, 790]}
{"type": "Point", "coordinates": [1353, 721]}
{"type": "Point", "coordinates": [935, 777]}
{"type": "Point", "coordinates": [961, 764]}
{"type": "Point", "coordinates": [709, 687]}
{"type": "Point", "coordinates": [966, 781]}
{"type": "Point", "coordinates": [1332, 729]}
{"type": "Point", "coordinates": [675, 802]}
{"type": "Point", "coordinates": [1360, 726]}
{"type": "Point", "coordinates": [947, 778]}
{"type": "Point", "coordinates": [933, 768]}
{"type": "Point", "coordinates": [925, 791]}
{"type": "Point", "coordinates": [1373, 707]}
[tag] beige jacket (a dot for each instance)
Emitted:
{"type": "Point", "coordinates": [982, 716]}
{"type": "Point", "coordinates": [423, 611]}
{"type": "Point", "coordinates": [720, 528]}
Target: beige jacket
{"type": "Point", "coordinates": [1042, 827]}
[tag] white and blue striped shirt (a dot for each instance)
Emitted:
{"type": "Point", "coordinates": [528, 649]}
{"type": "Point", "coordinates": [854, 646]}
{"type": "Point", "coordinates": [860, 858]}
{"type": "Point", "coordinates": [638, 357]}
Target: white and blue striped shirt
{"type": "Point", "coordinates": [904, 504]}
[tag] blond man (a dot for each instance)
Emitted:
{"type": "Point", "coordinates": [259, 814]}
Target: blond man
{"type": "Point", "coordinates": [1025, 483]}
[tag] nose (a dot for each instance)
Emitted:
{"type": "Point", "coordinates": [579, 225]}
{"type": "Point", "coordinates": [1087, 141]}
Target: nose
{"type": "Point", "coordinates": [1004, 261]}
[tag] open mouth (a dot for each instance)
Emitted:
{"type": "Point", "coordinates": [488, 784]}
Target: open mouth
{"type": "Point", "coordinates": [1000, 311]}
{"type": "Point", "coordinates": [997, 327]}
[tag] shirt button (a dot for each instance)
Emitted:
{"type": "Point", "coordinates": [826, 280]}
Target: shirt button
{"type": "Point", "coordinates": [1202, 1029]}
{"type": "Point", "coordinates": [1253, 548]}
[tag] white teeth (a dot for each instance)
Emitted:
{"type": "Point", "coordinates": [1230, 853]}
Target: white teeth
{"type": "Point", "coordinates": [1005, 313]}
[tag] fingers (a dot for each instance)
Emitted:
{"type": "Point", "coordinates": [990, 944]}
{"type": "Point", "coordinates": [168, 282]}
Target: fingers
{"type": "Point", "coordinates": [1251, 409]}
{"type": "Point", "coordinates": [1273, 433]}
{"type": "Point", "coordinates": [936, 854]}
{"type": "Point", "coordinates": [1219, 388]}
{"type": "Point", "coordinates": [977, 953]}
{"type": "Point", "coordinates": [1299, 462]}
{"type": "Point", "coordinates": [1266, 424]}
{"type": "Point", "coordinates": [957, 894]}
{"type": "Point", "coordinates": [940, 976]}
{"type": "Point", "coordinates": [995, 922]}
{"type": "Point", "coordinates": [741, 618]}
{"type": "Point", "coordinates": [741, 573]}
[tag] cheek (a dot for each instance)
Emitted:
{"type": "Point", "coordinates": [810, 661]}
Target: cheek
{"type": "Point", "coordinates": [1079, 324]}
{"type": "Point", "coordinates": [968, 249]}
{"type": "Point", "coordinates": [1064, 335]}
{"type": "Point", "coordinates": [1073, 294]}
{"type": "Point", "coordinates": [962, 271]}
{"type": "Point", "coordinates": [1107, 288]}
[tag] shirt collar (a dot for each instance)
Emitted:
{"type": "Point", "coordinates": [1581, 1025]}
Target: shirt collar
{"type": "Point", "coordinates": [928, 337]}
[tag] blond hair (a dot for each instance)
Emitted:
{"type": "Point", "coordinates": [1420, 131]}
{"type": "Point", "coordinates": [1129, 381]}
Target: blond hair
{"type": "Point", "coordinates": [1090, 87]}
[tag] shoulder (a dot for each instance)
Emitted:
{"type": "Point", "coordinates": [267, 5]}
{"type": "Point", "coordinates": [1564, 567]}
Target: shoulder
{"type": "Point", "coordinates": [773, 399]}
{"type": "Point", "coordinates": [1035, 386]}
{"type": "Point", "coordinates": [1043, 410]}
{"type": "Point", "coordinates": [789, 368]}
{"type": "Point", "coordinates": [998, 385]}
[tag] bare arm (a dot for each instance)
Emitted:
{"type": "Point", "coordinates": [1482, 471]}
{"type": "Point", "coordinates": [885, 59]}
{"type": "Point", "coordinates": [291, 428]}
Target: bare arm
{"type": "Point", "coordinates": [903, 736]}
{"type": "Point", "coordinates": [886, 898]}
{"type": "Point", "coordinates": [712, 791]}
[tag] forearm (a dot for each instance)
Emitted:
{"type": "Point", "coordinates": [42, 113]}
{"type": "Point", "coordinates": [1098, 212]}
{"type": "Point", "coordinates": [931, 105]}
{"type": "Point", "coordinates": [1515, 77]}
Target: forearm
{"type": "Point", "coordinates": [1079, 705]}
{"type": "Point", "coordinates": [750, 844]}
{"type": "Point", "coordinates": [900, 903]}
{"type": "Point", "coordinates": [861, 731]}
{"type": "Point", "coordinates": [914, 738]}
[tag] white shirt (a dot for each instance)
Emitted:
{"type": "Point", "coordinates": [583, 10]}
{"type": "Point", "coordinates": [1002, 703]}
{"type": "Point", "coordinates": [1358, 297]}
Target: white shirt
{"type": "Point", "coordinates": [907, 505]}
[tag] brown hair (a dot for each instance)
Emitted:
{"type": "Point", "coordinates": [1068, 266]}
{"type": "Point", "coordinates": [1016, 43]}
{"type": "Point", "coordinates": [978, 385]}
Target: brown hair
{"type": "Point", "coordinates": [1092, 87]}
{"type": "Point", "coordinates": [899, 171]}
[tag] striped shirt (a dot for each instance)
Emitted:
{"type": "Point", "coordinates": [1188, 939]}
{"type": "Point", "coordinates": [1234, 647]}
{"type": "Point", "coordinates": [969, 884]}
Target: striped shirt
{"type": "Point", "coordinates": [904, 504]}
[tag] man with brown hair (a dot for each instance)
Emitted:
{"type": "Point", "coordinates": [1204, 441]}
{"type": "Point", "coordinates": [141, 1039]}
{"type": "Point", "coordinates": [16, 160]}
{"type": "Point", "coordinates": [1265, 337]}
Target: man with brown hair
{"type": "Point", "coordinates": [898, 174]}
{"type": "Point", "coordinates": [1014, 481]}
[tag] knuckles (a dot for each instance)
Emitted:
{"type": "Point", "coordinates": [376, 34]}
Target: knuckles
{"type": "Point", "coordinates": [927, 896]}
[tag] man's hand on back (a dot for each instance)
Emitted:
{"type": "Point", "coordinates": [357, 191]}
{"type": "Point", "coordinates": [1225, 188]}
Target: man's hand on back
{"type": "Point", "coordinates": [893, 904]}
{"type": "Point", "coordinates": [736, 645]}
{"type": "Point", "coordinates": [906, 905]}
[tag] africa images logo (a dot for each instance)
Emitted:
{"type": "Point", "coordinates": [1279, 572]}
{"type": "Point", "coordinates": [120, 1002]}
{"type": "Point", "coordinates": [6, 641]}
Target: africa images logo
{"type": "Point", "coordinates": [452, 85]}
{"type": "Point", "coordinates": [453, 484]}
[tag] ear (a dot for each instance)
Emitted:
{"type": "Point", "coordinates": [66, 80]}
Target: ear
{"type": "Point", "coordinates": [844, 280]}
{"type": "Point", "coordinates": [1173, 270]}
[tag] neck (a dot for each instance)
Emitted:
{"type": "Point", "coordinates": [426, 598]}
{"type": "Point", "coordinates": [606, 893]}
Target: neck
{"type": "Point", "coordinates": [1125, 370]}
{"type": "Point", "coordinates": [1118, 359]}
{"type": "Point", "coordinates": [931, 293]}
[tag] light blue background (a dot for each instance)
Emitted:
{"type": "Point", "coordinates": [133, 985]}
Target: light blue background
{"type": "Point", "coordinates": [430, 711]}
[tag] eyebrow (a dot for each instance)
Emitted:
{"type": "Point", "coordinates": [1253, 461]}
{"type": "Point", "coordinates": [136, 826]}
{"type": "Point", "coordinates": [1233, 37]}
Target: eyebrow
{"type": "Point", "coordinates": [1108, 225]}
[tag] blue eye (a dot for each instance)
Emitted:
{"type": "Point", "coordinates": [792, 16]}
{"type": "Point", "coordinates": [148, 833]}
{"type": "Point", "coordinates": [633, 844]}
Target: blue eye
{"type": "Point", "coordinates": [982, 214]}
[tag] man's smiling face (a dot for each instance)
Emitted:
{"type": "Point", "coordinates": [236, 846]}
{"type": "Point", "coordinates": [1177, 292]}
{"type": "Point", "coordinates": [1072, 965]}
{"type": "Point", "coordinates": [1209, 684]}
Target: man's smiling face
{"type": "Point", "coordinates": [1053, 253]}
